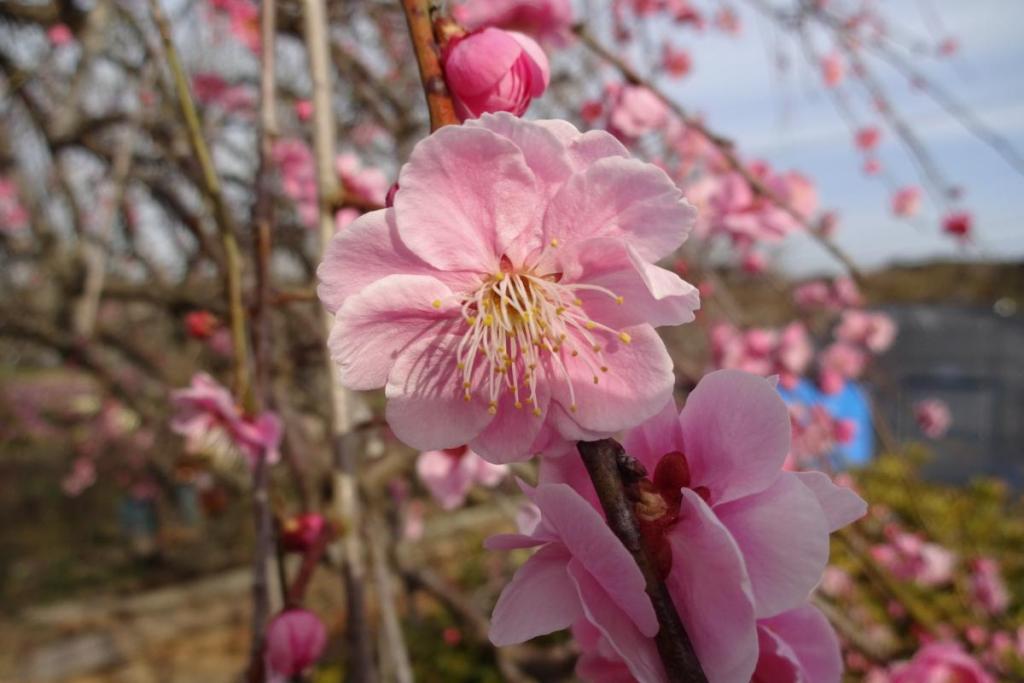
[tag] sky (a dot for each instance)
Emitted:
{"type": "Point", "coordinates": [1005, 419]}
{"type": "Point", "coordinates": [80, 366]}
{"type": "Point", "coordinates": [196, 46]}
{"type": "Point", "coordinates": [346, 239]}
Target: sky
{"type": "Point", "coordinates": [791, 121]}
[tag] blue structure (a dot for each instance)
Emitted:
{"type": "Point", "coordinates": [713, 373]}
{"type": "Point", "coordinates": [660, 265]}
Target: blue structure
{"type": "Point", "coordinates": [851, 403]}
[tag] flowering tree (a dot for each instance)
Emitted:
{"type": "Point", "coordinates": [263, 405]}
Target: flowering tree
{"type": "Point", "coordinates": [230, 221]}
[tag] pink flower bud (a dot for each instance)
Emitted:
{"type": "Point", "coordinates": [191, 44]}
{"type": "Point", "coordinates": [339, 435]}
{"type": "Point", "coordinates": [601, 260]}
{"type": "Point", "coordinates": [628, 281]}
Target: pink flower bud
{"type": "Point", "coordinates": [494, 70]}
{"type": "Point", "coordinates": [299, 533]}
{"type": "Point", "coordinates": [295, 640]}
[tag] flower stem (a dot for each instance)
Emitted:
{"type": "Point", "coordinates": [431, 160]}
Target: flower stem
{"type": "Point", "coordinates": [604, 460]}
{"type": "Point", "coordinates": [421, 30]}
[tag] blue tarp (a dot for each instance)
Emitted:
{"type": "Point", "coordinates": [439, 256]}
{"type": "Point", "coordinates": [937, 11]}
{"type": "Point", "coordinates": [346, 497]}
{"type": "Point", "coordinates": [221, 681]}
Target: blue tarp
{"type": "Point", "coordinates": [851, 403]}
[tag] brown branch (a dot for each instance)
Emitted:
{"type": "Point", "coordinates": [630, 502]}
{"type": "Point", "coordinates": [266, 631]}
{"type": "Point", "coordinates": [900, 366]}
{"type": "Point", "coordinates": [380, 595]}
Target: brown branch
{"type": "Point", "coordinates": [439, 101]}
{"type": "Point", "coordinates": [603, 460]}
{"type": "Point", "coordinates": [221, 210]}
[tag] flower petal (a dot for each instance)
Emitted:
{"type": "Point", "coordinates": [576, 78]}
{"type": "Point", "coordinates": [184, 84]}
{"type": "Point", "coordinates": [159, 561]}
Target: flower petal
{"type": "Point", "coordinates": [589, 540]}
{"type": "Point", "coordinates": [638, 651]}
{"type": "Point", "coordinates": [540, 599]}
{"type": "Point", "coordinates": [511, 434]}
{"type": "Point", "coordinates": [735, 434]}
{"type": "Point", "coordinates": [811, 639]}
{"type": "Point", "coordinates": [637, 385]}
{"type": "Point", "coordinates": [542, 150]}
{"type": "Point", "coordinates": [424, 384]}
{"type": "Point", "coordinates": [784, 541]}
{"type": "Point", "coordinates": [373, 326]}
{"type": "Point", "coordinates": [711, 591]}
{"type": "Point", "coordinates": [841, 505]}
{"type": "Point", "coordinates": [466, 196]}
{"type": "Point", "coordinates": [623, 198]}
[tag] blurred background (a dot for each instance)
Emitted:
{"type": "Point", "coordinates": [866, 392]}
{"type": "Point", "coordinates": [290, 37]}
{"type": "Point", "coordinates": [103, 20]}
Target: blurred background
{"type": "Point", "coordinates": [887, 297]}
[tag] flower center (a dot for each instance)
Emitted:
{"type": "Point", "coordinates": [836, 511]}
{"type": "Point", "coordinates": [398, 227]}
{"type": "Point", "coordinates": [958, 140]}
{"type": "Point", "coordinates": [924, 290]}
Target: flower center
{"type": "Point", "coordinates": [518, 320]}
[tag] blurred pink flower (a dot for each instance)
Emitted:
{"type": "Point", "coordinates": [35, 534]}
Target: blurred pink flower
{"type": "Point", "coordinates": [911, 558]}
{"type": "Point", "coordinates": [212, 90]}
{"type": "Point", "coordinates": [81, 476]}
{"type": "Point", "coordinates": [933, 417]}
{"type": "Point", "coordinates": [13, 214]}
{"type": "Point", "coordinates": [906, 202]}
{"type": "Point", "coordinates": [243, 21]}
{"type": "Point", "coordinates": [940, 662]}
{"type": "Point", "coordinates": [839, 362]}
{"type": "Point", "coordinates": [875, 331]}
{"type": "Point", "coordinates": [201, 324]}
{"type": "Point", "coordinates": [206, 415]}
{"type": "Point", "coordinates": [496, 224]}
{"type": "Point", "coordinates": [494, 70]}
{"type": "Point", "coordinates": [59, 35]}
{"type": "Point", "coordinates": [546, 20]}
{"type": "Point", "coordinates": [727, 21]}
{"type": "Point", "coordinates": [833, 70]}
{"type": "Point", "coordinates": [295, 640]}
{"type": "Point", "coordinates": [676, 61]}
{"type": "Point", "coordinates": [449, 474]}
{"type": "Point", "coordinates": [303, 109]}
{"type": "Point", "coordinates": [988, 587]}
{"type": "Point", "coordinates": [294, 161]}
{"type": "Point", "coordinates": [635, 111]}
{"type": "Point", "coordinates": [867, 138]}
{"type": "Point", "coordinates": [958, 224]}
{"type": "Point", "coordinates": [299, 533]}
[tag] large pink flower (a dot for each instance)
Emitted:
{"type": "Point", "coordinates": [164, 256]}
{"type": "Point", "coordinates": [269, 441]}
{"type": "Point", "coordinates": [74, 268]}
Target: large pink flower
{"type": "Point", "coordinates": [206, 415]}
{"type": "Point", "coordinates": [543, 19]}
{"type": "Point", "coordinates": [494, 70]}
{"type": "Point", "coordinates": [451, 473]}
{"type": "Point", "coordinates": [741, 541]}
{"type": "Point", "coordinates": [509, 295]}
{"type": "Point", "coordinates": [581, 576]}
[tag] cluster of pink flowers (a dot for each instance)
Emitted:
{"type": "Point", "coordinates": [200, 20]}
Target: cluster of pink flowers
{"type": "Point", "coordinates": [243, 21]}
{"type": "Point", "coordinates": [816, 433]}
{"type": "Point", "coordinates": [716, 492]}
{"type": "Point", "coordinates": [786, 352]}
{"type": "Point", "coordinates": [212, 424]}
{"type": "Point", "coordinates": [294, 161]}
{"type": "Point", "coordinates": [987, 586]}
{"type": "Point", "coordinates": [212, 90]}
{"type": "Point", "coordinates": [835, 295]}
{"type": "Point", "coordinates": [546, 20]}
{"type": "Point", "coordinates": [858, 335]}
{"type": "Point", "coordinates": [628, 111]}
{"type": "Point", "coordinates": [909, 557]}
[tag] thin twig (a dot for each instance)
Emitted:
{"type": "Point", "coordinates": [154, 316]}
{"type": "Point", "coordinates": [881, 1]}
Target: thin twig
{"type": "Point", "coordinates": [222, 212]}
{"type": "Point", "coordinates": [602, 460]}
{"type": "Point", "coordinates": [421, 31]}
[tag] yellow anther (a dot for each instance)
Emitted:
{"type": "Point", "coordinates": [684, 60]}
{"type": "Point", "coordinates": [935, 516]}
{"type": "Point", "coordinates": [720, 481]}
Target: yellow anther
{"type": "Point", "coordinates": [572, 408]}
{"type": "Point", "coordinates": [466, 385]}
{"type": "Point", "coordinates": [604, 368]}
{"type": "Point", "coordinates": [518, 405]}
{"type": "Point", "coordinates": [460, 366]}
{"type": "Point", "coordinates": [575, 353]}
{"type": "Point", "coordinates": [619, 300]}
{"type": "Point", "coordinates": [595, 379]}
{"type": "Point", "coordinates": [590, 324]}
{"type": "Point", "coordinates": [466, 397]}
{"type": "Point", "coordinates": [560, 310]}
{"type": "Point", "coordinates": [488, 320]}
{"type": "Point", "coordinates": [471, 320]}
{"type": "Point", "coordinates": [578, 302]}
{"type": "Point", "coordinates": [625, 338]}
{"type": "Point", "coordinates": [537, 412]}
{"type": "Point", "coordinates": [554, 242]}
{"type": "Point", "coordinates": [492, 408]}
{"type": "Point", "coordinates": [499, 276]}
{"type": "Point", "coordinates": [436, 303]}
{"type": "Point", "coordinates": [596, 347]}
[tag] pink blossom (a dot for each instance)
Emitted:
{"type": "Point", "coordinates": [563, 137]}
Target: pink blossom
{"type": "Point", "coordinates": [449, 474]}
{"type": "Point", "coordinates": [497, 223]}
{"type": "Point", "coordinates": [243, 21]}
{"type": "Point", "coordinates": [201, 324]}
{"type": "Point", "coordinates": [839, 362]}
{"type": "Point", "coordinates": [60, 35]}
{"type": "Point", "coordinates": [206, 415]}
{"type": "Point", "coordinates": [988, 587]}
{"type": "Point", "coordinates": [676, 62]}
{"type": "Point", "coordinates": [933, 417]}
{"type": "Point", "coordinates": [906, 202]}
{"type": "Point", "coordinates": [367, 184]}
{"type": "Point", "coordinates": [867, 138]}
{"type": "Point", "coordinates": [301, 532]}
{"type": "Point", "coordinates": [212, 89]}
{"type": "Point", "coordinates": [81, 476]}
{"type": "Point", "coordinates": [948, 47]}
{"type": "Point", "coordinates": [958, 224]}
{"type": "Point", "coordinates": [294, 161]}
{"type": "Point", "coordinates": [13, 214]}
{"type": "Point", "coordinates": [717, 492]}
{"type": "Point", "coordinates": [911, 558]}
{"type": "Point", "coordinates": [940, 662]}
{"type": "Point", "coordinates": [836, 582]}
{"type": "Point", "coordinates": [304, 109]}
{"type": "Point", "coordinates": [295, 640]}
{"type": "Point", "coordinates": [727, 21]}
{"type": "Point", "coordinates": [546, 20]}
{"type": "Point", "coordinates": [581, 576]}
{"type": "Point", "coordinates": [635, 111]}
{"type": "Point", "coordinates": [798, 646]}
{"type": "Point", "coordinates": [494, 70]}
{"type": "Point", "coordinates": [875, 331]}
{"type": "Point", "coordinates": [833, 70]}
{"type": "Point", "coordinates": [872, 166]}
